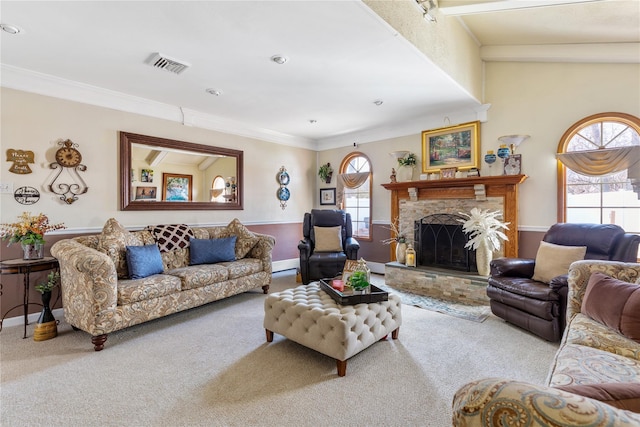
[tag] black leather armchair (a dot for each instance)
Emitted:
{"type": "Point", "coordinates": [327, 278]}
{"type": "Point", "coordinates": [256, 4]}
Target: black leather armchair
{"type": "Point", "coordinates": [316, 265]}
{"type": "Point", "coordinates": [540, 307]}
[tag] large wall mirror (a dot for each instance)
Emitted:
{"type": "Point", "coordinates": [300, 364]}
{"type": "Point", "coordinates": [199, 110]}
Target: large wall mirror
{"type": "Point", "coordinates": [165, 174]}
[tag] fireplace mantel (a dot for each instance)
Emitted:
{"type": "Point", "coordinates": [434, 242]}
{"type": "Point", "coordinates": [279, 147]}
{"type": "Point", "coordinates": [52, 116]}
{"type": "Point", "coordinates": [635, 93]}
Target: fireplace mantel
{"type": "Point", "coordinates": [505, 186]}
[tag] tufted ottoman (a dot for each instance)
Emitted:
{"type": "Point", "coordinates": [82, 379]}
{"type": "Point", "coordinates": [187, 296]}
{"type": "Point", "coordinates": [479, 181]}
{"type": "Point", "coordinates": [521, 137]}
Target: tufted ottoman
{"type": "Point", "coordinates": [309, 316]}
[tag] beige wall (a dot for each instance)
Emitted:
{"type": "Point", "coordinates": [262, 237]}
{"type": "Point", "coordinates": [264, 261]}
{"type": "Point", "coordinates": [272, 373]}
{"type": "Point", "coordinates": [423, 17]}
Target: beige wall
{"type": "Point", "coordinates": [34, 122]}
{"type": "Point", "coordinates": [539, 99]}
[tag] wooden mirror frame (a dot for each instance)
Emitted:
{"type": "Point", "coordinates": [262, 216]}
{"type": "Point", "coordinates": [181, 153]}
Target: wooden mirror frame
{"type": "Point", "coordinates": [126, 204]}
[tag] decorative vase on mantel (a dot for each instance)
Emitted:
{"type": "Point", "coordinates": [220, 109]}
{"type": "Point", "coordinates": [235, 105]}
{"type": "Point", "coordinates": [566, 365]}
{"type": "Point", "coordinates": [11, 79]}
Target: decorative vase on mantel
{"type": "Point", "coordinates": [47, 326]}
{"type": "Point", "coordinates": [484, 255]}
{"type": "Point", "coordinates": [405, 173]}
{"type": "Point", "coordinates": [32, 251]}
{"type": "Point", "coordinates": [401, 252]}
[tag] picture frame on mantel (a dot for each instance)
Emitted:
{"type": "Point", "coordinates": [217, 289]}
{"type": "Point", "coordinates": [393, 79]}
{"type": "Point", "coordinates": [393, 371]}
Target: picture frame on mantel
{"type": "Point", "coordinates": [451, 147]}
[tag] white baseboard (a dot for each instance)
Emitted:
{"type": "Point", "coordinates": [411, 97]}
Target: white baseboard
{"type": "Point", "coordinates": [58, 313]}
{"type": "Point", "coordinates": [286, 264]}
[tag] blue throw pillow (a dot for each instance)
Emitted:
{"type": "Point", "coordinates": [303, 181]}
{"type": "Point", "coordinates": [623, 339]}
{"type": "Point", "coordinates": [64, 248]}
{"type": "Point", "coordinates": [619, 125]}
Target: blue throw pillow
{"type": "Point", "coordinates": [144, 261]}
{"type": "Point", "coordinates": [210, 251]}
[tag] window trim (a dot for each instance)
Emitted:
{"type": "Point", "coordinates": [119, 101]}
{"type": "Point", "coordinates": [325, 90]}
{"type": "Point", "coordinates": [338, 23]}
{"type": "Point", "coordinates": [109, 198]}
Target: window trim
{"type": "Point", "coordinates": [343, 166]}
{"type": "Point", "coordinates": [627, 119]}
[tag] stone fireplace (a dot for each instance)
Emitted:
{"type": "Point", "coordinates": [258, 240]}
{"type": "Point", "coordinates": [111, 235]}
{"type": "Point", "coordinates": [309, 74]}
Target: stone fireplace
{"type": "Point", "coordinates": [427, 212]}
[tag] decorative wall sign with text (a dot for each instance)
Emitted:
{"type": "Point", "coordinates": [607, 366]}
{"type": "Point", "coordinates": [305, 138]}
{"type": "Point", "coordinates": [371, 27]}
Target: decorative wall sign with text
{"type": "Point", "coordinates": [68, 157]}
{"type": "Point", "coordinates": [21, 160]}
{"type": "Point", "coordinates": [26, 195]}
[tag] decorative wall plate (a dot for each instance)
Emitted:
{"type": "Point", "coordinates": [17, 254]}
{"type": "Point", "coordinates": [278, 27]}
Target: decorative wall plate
{"type": "Point", "coordinates": [283, 178]}
{"type": "Point", "coordinates": [283, 194]}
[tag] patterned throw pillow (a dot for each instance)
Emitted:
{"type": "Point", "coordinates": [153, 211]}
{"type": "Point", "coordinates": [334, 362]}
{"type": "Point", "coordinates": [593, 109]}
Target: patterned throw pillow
{"type": "Point", "coordinates": [113, 241]}
{"type": "Point", "coordinates": [171, 236]}
{"type": "Point", "coordinates": [246, 240]}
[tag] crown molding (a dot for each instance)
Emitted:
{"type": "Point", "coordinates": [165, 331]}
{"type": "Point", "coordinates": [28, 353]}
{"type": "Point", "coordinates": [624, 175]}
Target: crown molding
{"type": "Point", "coordinates": [610, 53]}
{"type": "Point", "coordinates": [45, 84]}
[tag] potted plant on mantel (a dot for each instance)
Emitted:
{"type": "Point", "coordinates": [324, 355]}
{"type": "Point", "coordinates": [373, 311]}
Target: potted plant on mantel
{"type": "Point", "coordinates": [406, 165]}
{"type": "Point", "coordinates": [326, 172]}
{"type": "Point", "coordinates": [484, 232]}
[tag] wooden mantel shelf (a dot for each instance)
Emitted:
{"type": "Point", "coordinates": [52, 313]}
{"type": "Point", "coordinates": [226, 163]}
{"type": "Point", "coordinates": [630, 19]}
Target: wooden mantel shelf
{"type": "Point", "coordinates": [457, 182]}
{"type": "Point", "coordinates": [505, 186]}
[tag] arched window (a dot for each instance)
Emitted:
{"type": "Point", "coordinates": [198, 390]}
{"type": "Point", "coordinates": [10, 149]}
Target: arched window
{"type": "Point", "coordinates": [354, 192]}
{"type": "Point", "coordinates": [217, 189]}
{"type": "Point", "coordinates": [599, 171]}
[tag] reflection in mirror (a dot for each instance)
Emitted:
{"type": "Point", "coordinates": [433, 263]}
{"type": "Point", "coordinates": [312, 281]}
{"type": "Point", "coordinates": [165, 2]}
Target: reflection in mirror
{"type": "Point", "coordinates": [163, 174]}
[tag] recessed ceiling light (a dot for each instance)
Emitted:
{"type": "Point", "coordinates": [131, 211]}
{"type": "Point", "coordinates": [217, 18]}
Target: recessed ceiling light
{"type": "Point", "coordinates": [215, 92]}
{"type": "Point", "coordinates": [11, 29]}
{"type": "Point", "coordinates": [279, 59]}
{"type": "Point", "coordinates": [378, 102]}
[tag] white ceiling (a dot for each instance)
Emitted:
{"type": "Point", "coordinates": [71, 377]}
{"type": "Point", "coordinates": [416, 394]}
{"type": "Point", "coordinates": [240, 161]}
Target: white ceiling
{"type": "Point", "coordinates": [342, 57]}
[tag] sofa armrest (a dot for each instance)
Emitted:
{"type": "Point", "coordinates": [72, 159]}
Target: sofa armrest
{"type": "Point", "coordinates": [559, 282]}
{"type": "Point", "coordinates": [513, 267]}
{"type": "Point", "coordinates": [88, 281]}
{"type": "Point", "coordinates": [494, 400]}
{"type": "Point", "coordinates": [263, 250]}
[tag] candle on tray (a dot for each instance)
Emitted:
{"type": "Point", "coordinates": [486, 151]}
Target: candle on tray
{"type": "Point", "coordinates": [338, 285]}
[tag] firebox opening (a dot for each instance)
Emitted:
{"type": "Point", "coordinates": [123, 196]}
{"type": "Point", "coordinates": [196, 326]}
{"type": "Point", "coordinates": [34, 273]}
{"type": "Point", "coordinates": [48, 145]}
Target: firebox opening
{"type": "Point", "coordinates": [441, 243]}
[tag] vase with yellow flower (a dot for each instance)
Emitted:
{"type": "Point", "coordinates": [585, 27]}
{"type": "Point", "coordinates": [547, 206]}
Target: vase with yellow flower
{"type": "Point", "coordinates": [29, 231]}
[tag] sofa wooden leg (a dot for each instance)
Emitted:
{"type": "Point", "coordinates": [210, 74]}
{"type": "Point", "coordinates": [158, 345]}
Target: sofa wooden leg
{"type": "Point", "coordinates": [265, 289]}
{"type": "Point", "coordinates": [269, 335]}
{"type": "Point", "coordinates": [395, 334]}
{"type": "Point", "coordinates": [74, 328]}
{"type": "Point", "coordinates": [98, 342]}
{"type": "Point", "coordinates": [342, 367]}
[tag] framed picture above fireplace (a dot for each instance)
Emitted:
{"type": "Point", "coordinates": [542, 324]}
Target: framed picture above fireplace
{"type": "Point", "coordinates": [451, 147]}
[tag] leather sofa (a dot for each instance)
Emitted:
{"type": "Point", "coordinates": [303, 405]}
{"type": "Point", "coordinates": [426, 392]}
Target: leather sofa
{"type": "Point", "coordinates": [328, 261]}
{"type": "Point", "coordinates": [594, 378]}
{"type": "Point", "coordinates": [100, 295]}
{"type": "Point", "coordinates": [540, 307]}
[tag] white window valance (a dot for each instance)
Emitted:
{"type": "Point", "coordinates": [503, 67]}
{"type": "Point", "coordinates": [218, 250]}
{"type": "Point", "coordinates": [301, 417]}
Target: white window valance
{"type": "Point", "coordinates": [349, 180]}
{"type": "Point", "coordinates": [603, 161]}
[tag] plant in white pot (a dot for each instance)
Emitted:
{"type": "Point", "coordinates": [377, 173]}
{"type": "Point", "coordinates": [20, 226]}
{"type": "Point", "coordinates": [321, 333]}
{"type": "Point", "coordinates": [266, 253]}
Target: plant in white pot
{"type": "Point", "coordinates": [485, 235]}
{"type": "Point", "coordinates": [406, 165]}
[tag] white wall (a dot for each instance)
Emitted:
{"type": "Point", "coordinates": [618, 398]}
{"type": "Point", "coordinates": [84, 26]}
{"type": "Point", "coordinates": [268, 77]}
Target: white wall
{"type": "Point", "coordinates": [34, 122]}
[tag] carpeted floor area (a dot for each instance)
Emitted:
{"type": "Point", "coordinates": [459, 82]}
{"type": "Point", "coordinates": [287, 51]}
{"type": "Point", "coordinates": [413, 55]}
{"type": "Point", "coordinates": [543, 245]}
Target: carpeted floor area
{"type": "Point", "coordinates": [211, 366]}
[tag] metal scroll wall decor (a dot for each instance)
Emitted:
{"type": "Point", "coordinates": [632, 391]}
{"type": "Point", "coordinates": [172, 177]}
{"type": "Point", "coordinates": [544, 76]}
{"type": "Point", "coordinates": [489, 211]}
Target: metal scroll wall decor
{"type": "Point", "coordinates": [68, 157]}
{"type": "Point", "coordinates": [283, 193]}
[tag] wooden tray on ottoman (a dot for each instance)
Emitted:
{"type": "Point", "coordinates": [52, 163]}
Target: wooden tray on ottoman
{"type": "Point", "coordinates": [348, 298]}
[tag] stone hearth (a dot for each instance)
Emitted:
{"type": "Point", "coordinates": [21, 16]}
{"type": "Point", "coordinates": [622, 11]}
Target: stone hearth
{"type": "Point", "coordinates": [437, 283]}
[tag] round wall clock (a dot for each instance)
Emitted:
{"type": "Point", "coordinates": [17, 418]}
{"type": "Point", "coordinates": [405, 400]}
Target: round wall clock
{"type": "Point", "coordinates": [68, 156]}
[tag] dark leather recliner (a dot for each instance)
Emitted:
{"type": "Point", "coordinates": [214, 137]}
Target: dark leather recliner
{"type": "Point", "coordinates": [539, 307]}
{"type": "Point", "coordinates": [319, 265]}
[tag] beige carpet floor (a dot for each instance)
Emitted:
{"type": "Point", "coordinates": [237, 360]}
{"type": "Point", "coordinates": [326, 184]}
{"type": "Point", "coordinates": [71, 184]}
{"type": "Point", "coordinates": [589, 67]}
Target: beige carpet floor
{"type": "Point", "coordinates": [211, 366]}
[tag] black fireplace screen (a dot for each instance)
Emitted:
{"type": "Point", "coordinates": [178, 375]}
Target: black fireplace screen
{"type": "Point", "coordinates": [440, 243]}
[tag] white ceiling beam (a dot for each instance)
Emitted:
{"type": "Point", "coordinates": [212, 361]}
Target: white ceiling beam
{"type": "Point", "coordinates": [454, 8]}
{"type": "Point", "coordinates": [617, 53]}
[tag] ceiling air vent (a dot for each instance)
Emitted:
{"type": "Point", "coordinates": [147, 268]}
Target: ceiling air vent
{"type": "Point", "coordinates": [158, 60]}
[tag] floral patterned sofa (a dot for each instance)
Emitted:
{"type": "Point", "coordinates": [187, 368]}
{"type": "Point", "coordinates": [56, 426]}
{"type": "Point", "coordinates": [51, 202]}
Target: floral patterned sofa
{"type": "Point", "coordinates": [595, 376]}
{"type": "Point", "coordinates": [99, 296]}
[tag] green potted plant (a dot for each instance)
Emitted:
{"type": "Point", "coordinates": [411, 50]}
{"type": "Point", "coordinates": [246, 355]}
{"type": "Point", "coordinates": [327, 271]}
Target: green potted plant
{"type": "Point", "coordinates": [408, 160]}
{"type": "Point", "coordinates": [326, 172]}
{"type": "Point", "coordinates": [406, 165]}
